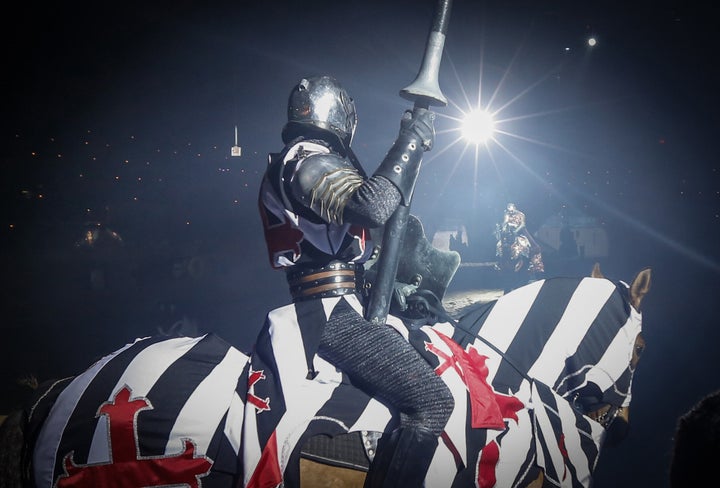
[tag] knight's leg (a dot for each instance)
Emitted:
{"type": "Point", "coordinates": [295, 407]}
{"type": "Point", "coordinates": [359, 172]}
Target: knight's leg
{"type": "Point", "coordinates": [379, 360]}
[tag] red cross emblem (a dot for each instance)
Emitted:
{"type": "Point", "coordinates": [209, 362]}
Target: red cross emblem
{"type": "Point", "coordinates": [282, 238]}
{"type": "Point", "coordinates": [126, 467]}
{"type": "Point", "coordinates": [360, 234]}
{"type": "Point", "coordinates": [260, 404]}
{"type": "Point", "coordinates": [488, 408]}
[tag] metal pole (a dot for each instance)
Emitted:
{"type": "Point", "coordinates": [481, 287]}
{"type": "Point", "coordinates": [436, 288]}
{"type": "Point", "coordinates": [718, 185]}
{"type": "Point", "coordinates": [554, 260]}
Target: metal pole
{"type": "Point", "coordinates": [424, 91]}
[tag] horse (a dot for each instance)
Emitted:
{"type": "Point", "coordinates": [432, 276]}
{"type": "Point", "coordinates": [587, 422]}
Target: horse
{"type": "Point", "coordinates": [541, 378]}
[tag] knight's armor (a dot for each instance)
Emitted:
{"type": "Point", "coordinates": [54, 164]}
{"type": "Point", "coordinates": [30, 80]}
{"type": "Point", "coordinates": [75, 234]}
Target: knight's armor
{"type": "Point", "coordinates": [513, 219]}
{"type": "Point", "coordinates": [317, 206]}
{"type": "Point", "coordinates": [515, 247]}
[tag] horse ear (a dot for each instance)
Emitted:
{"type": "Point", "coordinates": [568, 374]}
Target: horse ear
{"type": "Point", "coordinates": [639, 288]}
{"type": "Point", "coordinates": [596, 273]}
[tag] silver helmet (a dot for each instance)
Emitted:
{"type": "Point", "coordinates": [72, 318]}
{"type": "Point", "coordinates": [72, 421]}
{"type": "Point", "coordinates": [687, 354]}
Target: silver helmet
{"type": "Point", "coordinates": [320, 102]}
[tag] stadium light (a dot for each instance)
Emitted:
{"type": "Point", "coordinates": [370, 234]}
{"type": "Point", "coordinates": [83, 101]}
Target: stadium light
{"type": "Point", "coordinates": [478, 127]}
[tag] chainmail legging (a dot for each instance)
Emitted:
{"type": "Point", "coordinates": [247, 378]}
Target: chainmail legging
{"type": "Point", "coordinates": [378, 360]}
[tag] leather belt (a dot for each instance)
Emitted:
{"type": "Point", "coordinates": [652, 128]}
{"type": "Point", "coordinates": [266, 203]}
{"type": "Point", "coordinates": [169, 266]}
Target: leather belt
{"type": "Point", "coordinates": [334, 279]}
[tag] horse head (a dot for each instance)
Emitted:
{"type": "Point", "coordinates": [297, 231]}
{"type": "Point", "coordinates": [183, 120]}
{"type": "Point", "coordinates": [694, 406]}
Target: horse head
{"type": "Point", "coordinates": [611, 407]}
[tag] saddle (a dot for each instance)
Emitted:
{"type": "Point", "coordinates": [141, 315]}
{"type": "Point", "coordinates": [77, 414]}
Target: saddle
{"type": "Point", "coordinates": [423, 276]}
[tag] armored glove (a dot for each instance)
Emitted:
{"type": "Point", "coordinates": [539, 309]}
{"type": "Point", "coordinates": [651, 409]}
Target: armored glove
{"type": "Point", "coordinates": [402, 163]}
{"type": "Point", "coordinates": [419, 124]}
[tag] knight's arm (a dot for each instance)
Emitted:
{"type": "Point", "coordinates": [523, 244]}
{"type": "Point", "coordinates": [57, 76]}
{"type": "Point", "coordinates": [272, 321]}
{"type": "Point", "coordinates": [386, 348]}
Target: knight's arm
{"type": "Point", "coordinates": [334, 190]}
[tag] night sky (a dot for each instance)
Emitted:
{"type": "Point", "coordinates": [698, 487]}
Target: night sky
{"type": "Point", "coordinates": [118, 119]}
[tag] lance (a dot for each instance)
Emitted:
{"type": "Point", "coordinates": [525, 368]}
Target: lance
{"type": "Point", "coordinates": [423, 91]}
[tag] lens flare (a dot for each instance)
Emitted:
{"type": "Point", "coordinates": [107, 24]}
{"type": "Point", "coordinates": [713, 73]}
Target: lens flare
{"type": "Point", "coordinates": [478, 127]}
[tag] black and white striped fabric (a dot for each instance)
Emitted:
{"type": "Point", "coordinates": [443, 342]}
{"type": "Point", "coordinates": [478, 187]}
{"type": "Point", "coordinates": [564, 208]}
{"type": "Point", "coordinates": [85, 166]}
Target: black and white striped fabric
{"type": "Point", "coordinates": [156, 412]}
{"type": "Point", "coordinates": [197, 412]}
{"type": "Point", "coordinates": [538, 346]}
{"type": "Point", "coordinates": [562, 334]}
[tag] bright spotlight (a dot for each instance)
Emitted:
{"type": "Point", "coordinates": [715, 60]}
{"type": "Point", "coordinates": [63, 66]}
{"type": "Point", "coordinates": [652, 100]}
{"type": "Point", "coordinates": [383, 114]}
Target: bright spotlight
{"type": "Point", "coordinates": [592, 42]}
{"type": "Point", "coordinates": [478, 127]}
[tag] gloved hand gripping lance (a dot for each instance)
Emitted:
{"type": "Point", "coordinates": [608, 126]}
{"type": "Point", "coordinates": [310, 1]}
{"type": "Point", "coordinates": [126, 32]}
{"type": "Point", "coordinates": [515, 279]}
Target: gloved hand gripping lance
{"type": "Point", "coordinates": [402, 163]}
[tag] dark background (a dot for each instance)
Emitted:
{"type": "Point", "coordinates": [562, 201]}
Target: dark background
{"type": "Point", "coordinates": [118, 119]}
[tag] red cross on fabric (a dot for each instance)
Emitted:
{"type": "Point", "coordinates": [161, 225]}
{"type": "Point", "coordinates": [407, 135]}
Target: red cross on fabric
{"type": "Point", "coordinates": [565, 455]}
{"type": "Point", "coordinates": [126, 467]}
{"type": "Point", "coordinates": [361, 235]}
{"type": "Point", "coordinates": [489, 457]}
{"type": "Point", "coordinates": [267, 474]}
{"type": "Point", "coordinates": [260, 404]}
{"type": "Point", "coordinates": [471, 368]}
{"type": "Point", "coordinates": [281, 238]}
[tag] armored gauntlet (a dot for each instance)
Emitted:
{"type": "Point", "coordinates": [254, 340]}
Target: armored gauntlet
{"type": "Point", "coordinates": [402, 163]}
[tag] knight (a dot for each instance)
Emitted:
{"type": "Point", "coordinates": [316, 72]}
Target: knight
{"type": "Point", "coordinates": [517, 250]}
{"type": "Point", "coordinates": [318, 206]}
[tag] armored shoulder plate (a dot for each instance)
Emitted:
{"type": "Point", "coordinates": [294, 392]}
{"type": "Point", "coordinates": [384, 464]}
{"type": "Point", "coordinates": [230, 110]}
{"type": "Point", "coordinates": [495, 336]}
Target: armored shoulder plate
{"type": "Point", "coordinates": [325, 183]}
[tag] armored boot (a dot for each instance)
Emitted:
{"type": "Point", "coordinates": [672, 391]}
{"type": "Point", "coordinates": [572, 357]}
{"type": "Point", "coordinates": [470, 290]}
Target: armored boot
{"type": "Point", "coordinates": [403, 460]}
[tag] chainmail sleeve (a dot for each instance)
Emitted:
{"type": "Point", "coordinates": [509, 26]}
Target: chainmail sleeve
{"type": "Point", "coordinates": [372, 203]}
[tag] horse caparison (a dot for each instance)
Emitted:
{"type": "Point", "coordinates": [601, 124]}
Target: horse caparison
{"type": "Point", "coordinates": [329, 460]}
{"type": "Point", "coordinates": [541, 379]}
